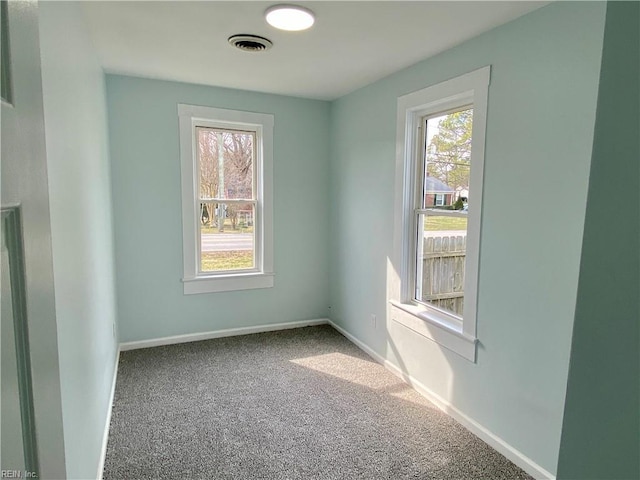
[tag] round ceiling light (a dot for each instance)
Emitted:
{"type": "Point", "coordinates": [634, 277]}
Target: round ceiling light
{"type": "Point", "coordinates": [289, 17]}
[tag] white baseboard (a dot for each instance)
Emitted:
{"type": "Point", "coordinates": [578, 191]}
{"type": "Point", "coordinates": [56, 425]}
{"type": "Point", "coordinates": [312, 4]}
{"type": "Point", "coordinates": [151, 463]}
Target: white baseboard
{"type": "Point", "coordinates": [231, 332]}
{"type": "Point", "coordinates": [105, 435]}
{"type": "Point", "coordinates": [474, 427]}
{"type": "Point", "coordinates": [362, 346]}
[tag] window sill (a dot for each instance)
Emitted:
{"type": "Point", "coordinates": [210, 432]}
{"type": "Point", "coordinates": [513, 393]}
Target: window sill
{"type": "Point", "coordinates": [227, 283]}
{"type": "Point", "coordinates": [435, 327]}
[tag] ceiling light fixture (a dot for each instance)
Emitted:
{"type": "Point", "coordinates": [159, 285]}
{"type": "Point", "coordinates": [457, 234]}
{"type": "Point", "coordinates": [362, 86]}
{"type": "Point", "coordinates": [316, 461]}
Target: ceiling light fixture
{"type": "Point", "coordinates": [289, 17]}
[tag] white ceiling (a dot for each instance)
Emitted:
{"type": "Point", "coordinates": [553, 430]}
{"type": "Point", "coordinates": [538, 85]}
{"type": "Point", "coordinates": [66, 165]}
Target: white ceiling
{"type": "Point", "coordinates": [351, 45]}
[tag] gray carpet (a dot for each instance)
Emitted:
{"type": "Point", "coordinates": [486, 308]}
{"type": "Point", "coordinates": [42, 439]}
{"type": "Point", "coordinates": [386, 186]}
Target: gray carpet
{"type": "Point", "coordinates": [295, 404]}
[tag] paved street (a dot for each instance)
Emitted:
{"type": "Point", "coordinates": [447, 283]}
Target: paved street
{"type": "Point", "coordinates": [219, 242]}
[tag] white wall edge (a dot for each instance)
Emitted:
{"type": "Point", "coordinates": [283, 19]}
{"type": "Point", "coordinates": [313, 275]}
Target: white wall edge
{"type": "Point", "coordinates": [105, 435]}
{"type": "Point", "coordinates": [231, 332]}
{"type": "Point", "coordinates": [497, 443]}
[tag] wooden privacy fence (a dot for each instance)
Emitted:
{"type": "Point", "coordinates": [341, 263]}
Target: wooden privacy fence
{"type": "Point", "coordinates": [443, 272]}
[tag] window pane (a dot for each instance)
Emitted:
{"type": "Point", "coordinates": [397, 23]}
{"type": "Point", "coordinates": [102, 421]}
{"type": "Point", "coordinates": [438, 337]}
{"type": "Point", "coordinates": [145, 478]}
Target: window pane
{"type": "Point", "coordinates": [441, 248]}
{"type": "Point", "coordinates": [447, 160]}
{"type": "Point", "coordinates": [227, 239]}
{"type": "Point", "coordinates": [226, 163]}
{"type": "Point", "coordinates": [441, 251]}
{"type": "Point", "coordinates": [238, 165]}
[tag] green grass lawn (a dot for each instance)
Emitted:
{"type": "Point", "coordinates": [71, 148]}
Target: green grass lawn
{"type": "Point", "coordinates": [432, 223]}
{"type": "Point", "coordinates": [230, 260]}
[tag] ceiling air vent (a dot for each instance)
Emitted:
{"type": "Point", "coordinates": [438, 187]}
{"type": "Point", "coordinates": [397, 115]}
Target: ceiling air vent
{"type": "Point", "coordinates": [250, 43]}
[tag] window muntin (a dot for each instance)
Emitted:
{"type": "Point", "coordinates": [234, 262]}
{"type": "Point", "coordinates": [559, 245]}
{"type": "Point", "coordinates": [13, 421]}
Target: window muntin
{"type": "Point", "coordinates": [227, 199]}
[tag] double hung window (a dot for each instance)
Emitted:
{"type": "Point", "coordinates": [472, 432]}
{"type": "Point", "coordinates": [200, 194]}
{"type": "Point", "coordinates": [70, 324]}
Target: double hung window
{"type": "Point", "coordinates": [227, 199]}
{"type": "Point", "coordinates": [441, 131]}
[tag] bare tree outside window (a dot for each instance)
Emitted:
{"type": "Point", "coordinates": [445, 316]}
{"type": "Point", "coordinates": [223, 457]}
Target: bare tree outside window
{"type": "Point", "coordinates": [227, 196]}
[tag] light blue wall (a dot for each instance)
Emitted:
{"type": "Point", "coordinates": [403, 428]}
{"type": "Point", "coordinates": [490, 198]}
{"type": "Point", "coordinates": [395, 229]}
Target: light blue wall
{"type": "Point", "coordinates": [600, 435]}
{"type": "Point", "coordinates": [541, 113]}
{"type": "Point", "coordinates": [143, 124]}
{"type": "Point", "coordinates": [82, 233]}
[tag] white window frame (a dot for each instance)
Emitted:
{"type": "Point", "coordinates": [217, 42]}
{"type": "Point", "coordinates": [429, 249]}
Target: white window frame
{"type": "Point", "coordinates": [451, 331]}
{"type": "Point", "coordinates": [262, 276]}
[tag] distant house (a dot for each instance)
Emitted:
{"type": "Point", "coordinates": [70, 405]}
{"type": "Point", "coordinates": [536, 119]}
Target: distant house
{"type": "Point", "coordinates": [462, 192]}
{"type": "Point", "coordinates": [437, 193]}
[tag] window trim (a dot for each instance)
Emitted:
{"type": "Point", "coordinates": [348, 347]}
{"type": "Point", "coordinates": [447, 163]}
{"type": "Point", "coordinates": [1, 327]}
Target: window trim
{"type": "Point", "coordinates": [435, 324]}
{"type": "Point", "coordinates": [194, 282]}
